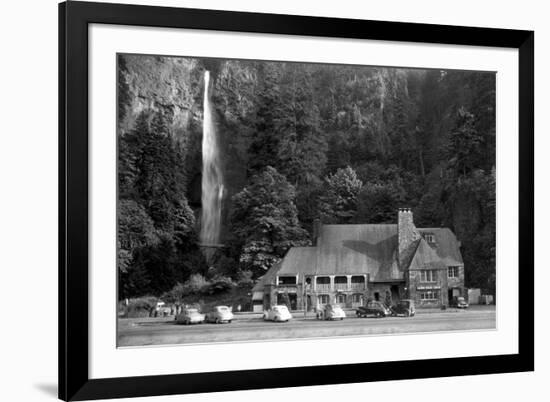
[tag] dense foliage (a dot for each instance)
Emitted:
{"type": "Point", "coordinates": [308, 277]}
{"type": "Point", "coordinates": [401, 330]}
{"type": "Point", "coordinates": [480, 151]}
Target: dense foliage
{"type": "Point", "coordinates": [265, 220]}
{"type": "Point", "coordinates": [156, 226]}
{"type": "Point", "coordinates": [345, 144]}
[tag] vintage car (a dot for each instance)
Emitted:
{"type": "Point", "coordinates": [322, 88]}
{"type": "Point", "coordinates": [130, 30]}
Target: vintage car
{"type": "Point", "coordinates": [219, 314]}
{"type": "Point", "coordinates": [404, 307]}
{"type": "Point", "coordinates": [459, 302]}
{"type": "Point", "coordinates": [277, 313]}
{"type": "Point", "coordinates": [373, 308]}
{"type": "Point", "coordinates": [162, 310]}
{"type": "Point", "coordinates": [330, 312]}
{"type": "Point", "coordinates": [190, 316]}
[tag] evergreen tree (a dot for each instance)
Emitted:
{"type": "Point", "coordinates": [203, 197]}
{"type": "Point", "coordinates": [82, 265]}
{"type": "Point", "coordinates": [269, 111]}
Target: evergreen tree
{"type": "Point", "coordinates": [338, 203]}
{"type": "Point", "coordinates": [378, 203]}
{"type": "Point", "coordinates": [264, 145]}
{"type": "Point", "coordinates": [302, 150]}
{"type": "Point", "coordinates": [465, 145]}
{"type": "Point", "coordinates": [265, 220]}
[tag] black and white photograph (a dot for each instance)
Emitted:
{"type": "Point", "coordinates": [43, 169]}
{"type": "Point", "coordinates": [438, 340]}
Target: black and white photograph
{"type": "Point", "coordinates": [273, 201]}
{"type": "Point", "coordinates": [264, 200]}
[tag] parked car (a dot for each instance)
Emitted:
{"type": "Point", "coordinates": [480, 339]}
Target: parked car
{"type": "Point", "coordinates": [219, 314]}
{"type": "Point", "coordinates": [277, 313]}
{"type": "Point", "coordinates": [162, 310]}
{"type": "Point", "coordinates": [373, 308]}
{"type": "Point", "coordinates": [330, 312]}
{"type": "Point", "coordinates": [404, 307]}
{"type": "Point", "coordinates": [190, 316]}
{"type": "Point", "coordinates": [459, 302]}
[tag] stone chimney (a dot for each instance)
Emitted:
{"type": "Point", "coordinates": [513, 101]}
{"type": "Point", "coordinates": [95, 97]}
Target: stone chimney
{"type": "Point", "coordinates": [316, 231]}
{"type": "Point", "coordinates": [407, 235]}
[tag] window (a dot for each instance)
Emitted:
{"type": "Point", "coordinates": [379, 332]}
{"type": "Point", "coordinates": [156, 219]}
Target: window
{"type": "Point", "coordinates": [428, 276]}
{"type": "Point", "coordinates": [429, 295]}
{"type": "Point", "coordinates": [323, 299]}
{"type": "Point", "coordinates": [452, 272]}
{"type": "Point", "coordinates": [356, 298]}
{"type": "Point", "coordinates": [287, 280]}
{"type": "Point", "coordinates": [429, 237]}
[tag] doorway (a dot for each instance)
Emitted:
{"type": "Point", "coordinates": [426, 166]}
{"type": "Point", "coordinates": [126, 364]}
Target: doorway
{"type": "Point", "coordinates": [395, 293]}
{"type": "Point", "coordinates": [453, 292]}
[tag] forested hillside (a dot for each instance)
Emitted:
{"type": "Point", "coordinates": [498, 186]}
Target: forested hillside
{"type": "Point", "coordinates": [345, 144]}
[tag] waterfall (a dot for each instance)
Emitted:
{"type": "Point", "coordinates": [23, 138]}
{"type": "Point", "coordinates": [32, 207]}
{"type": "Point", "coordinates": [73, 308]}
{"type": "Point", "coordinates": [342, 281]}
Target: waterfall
{"type": "Point", "coordinates": [212, 180]}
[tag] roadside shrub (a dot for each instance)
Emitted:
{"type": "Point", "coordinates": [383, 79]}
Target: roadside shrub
{"type": "Point", "coordinates": [219, 285]}
{"type": "Point", "coordinates": [141, 307]}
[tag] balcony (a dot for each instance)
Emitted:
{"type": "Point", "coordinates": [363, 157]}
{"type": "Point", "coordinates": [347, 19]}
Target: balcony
{"type": "Point", "coordinates": [323, 287]}
{"type": "Point", "coordinates": [340, 286]}
{"type": "Point", "coordinates": [287, 288]}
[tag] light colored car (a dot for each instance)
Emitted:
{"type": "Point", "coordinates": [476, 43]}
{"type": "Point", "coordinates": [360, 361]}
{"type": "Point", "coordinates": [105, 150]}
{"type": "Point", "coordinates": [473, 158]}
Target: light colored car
{"type": "Point", "coordinates": [331, 312]}
{"type": "Point", "coordinates": [277, 313]}
{"type": "Point", "coordinates": [190, 316]}
{"type": "Point", "coordinates": [219, 314]}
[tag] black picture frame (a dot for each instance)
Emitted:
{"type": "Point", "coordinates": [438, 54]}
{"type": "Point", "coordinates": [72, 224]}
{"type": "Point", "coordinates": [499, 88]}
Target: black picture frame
{"type": "Point", "coordinates": [74, 381]}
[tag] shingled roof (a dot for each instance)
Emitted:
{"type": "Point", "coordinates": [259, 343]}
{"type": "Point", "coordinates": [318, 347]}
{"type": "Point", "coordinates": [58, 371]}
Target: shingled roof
{"type": "Point", "coordinates": [364, 249]}
{"type": "Point", "coordinates": [358, 249]}
{"type": "Point", "coordinates": [425, 257]}
{"type": "Point", "coordinates": [446, 245]}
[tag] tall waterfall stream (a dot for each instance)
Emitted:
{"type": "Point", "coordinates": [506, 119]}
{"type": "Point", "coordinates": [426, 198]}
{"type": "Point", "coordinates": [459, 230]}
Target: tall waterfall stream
{"type": "Point", "coordinates": [212, 178]}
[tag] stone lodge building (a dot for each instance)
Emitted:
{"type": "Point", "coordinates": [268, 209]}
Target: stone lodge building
{"type": "Point", "coordinates": [350, 264]}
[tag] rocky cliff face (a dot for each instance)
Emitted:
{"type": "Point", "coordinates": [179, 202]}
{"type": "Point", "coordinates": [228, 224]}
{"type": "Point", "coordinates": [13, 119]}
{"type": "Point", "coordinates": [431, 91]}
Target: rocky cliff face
{"type": "Point", "coordinates": [168, 85]}
{"type": "Point", "coordinates": [174, 86]}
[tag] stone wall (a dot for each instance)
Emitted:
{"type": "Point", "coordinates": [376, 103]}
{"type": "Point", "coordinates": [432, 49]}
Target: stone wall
{"type": "Point", "coordinates": [458, 283]}
{"type": "Point", "coordinates": [416, 286]}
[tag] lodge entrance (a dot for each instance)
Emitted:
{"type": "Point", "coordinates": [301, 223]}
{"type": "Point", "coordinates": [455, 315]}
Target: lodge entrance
{"type": "Point", "coordinates": [453, 292]}
{"type": "Point", "coordinates": [395, 293]}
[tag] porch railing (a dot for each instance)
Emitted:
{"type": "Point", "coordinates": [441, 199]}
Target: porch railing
{"type": "Point", "coordinates": [325, 287]}
{"type": "Point", "coordinates": [340, 286]}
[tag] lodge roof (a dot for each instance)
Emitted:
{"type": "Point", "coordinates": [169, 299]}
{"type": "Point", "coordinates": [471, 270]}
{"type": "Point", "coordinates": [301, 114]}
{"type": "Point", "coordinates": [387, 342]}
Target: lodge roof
{"type": "Point", "coordinates": [446, 245]}
{"type": "Point", "coordinates": [425, 257]}
{"type": "Point", "coordinates": [358, 249]}
{"type": "Point", "coordinates": [364, 249]}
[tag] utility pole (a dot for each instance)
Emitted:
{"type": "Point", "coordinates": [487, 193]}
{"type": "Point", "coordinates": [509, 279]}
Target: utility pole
{"type": "Point", "coordinates": [304, 296]}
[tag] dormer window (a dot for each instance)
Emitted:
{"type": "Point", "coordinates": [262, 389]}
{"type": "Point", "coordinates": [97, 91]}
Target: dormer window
{"type": "Point", "coordinates": [429, 237]}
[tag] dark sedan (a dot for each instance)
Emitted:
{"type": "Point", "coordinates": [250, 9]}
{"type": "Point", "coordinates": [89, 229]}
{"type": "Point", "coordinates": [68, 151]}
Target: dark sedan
{"type": "Point", "coordinates": [404, 307]}
{"type": "Point", "coordinates": [373, 308]}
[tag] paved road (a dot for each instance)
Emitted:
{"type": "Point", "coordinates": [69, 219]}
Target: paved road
{"type": "Point", "coordinates": [137, 332]}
